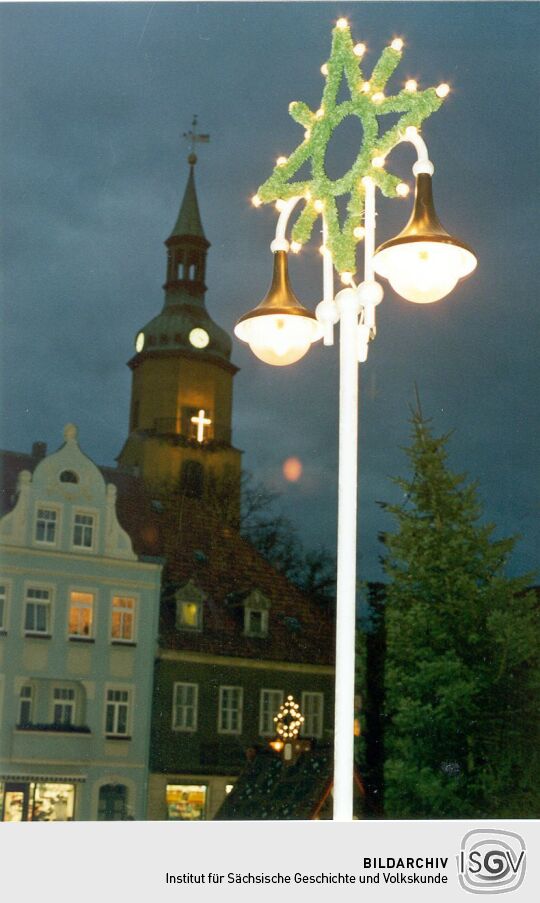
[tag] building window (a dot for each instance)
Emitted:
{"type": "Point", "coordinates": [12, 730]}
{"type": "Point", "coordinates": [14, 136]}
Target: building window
{"type": "Point", "coordinates": [37, 615]}
{"type": "Point", "coordinates": [312, 710]}
{"type": "Point", "coordinates": [37, 802]}
{"type": "Point", "coordinates": [123, 619]}
{"type": "Point", "coordinates": [83, 531]}
{"type": "Point", "coordinates": [255, 622]}
{"type": "Point", "coordinates": [3, 607]}
{"type": "Point", "coordinates": [25, 704]}
{"type": "Point", "coordinates": [117, 713]}
{"type": "Point", "coordinates": [63, 705]}
{"type": "Point", "coordinates": [69, 476]}
{"type": "Point", "coordinates": [269, 707]}
{"type": "Point", "coordinates": [46, 525]}
{"type": "Point", "coordinates": [112, 805]}
{"type": "Point", "coordinates": [185, 697]}
{"type": "Point", "coordinates": [81, 611]}
{"type": "Point", "coordinates": [192, 476]}
{"type": "Point", "coordinates": [185, 802]}
{"type": "Point", "coordinates": [230, 710]}
{"type": "Point", "coordinates": [189, 615]}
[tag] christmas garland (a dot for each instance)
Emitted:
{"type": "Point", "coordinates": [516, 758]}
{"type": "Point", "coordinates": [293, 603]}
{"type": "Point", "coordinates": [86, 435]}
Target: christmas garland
{"type": "Point", "coordinates": [367, 102]}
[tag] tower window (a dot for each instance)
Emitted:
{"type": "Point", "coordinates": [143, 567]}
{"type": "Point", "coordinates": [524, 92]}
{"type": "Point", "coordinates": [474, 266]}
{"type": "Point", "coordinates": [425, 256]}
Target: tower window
{"type": "Point", "coordinates": [135, 415]}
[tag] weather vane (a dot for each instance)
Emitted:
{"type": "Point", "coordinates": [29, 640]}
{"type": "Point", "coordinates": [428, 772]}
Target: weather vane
{"type": "Point", "coordinates": [194, 137]}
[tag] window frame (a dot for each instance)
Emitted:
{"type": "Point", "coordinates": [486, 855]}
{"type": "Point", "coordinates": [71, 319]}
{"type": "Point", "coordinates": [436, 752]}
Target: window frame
{"type": "Point", "coordinates": [65, 703]}
{"type": "Point", "coordinates": [84, 512]}
{"type": "Point", "coordinates": [222, 710]}
{"type": "Point", "coordinates": [184, 728]}
{"type": "Point", "coordinates": [135, 598]}
{"type": "Point", "coordinates": [31, 586]}
{"type": "Point", "coordinates": [304, 730]}
{"type": "Point", "coordinates": [46, 543]}
{"type": "Point", "coordinates": [28, 699]}
{"type": "Point", "coordinates": [5, 599]}
{"type": "Point", "coordinates": [115, 734]}
{"type": "Point", "coordinates": [263, 632]}
{"type": "Point", "coordinates": [87, 592]}
{"type": "Point", "coordinates": [180, 624]}
{"type": "Point", "coordinates": [272, 729]}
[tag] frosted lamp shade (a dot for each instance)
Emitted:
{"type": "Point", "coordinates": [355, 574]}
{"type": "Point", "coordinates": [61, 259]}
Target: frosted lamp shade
{"type": "Point", "coordinates": [278, 339]}
{"type": "Point", "coordinates": [424, 271]}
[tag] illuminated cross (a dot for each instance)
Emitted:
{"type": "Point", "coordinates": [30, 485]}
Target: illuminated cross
{"type": "Point", "coordinates": [201, 422]}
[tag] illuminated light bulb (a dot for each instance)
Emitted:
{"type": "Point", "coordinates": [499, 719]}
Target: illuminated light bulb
{"type": "Point", "coordinates": [378, 162]}
{"type": "Point", "coordinates": [366, 88]}
{"type": "Point", "coordinates": [308, 195]}
{"type": "Point", "coordinates": [281, 161]}
{"type": "Point", "coordinates": [307, 134]}
{"type": "Point", "coordinates": [359, 50]}
{"type": "Point", "coordinates": [402, 189]}
{"type": "Point", "coordinates": [443, 90]}
{"type": "Point", "coordinates": [397, 44]}
{"type": "Point", "coordinates": [411, 131]}
{"type": "Point", "coordinates": [424, 271]}
{"type": "Point", "coordinates": [359, 232]}
{"type": "Point", "coordinates": [280, 339]}
{"type": "Point", "coordinates": [345, 277]}
{"type": "Point", "coordinates": [324, 69]}
{"type": "Point", "coordinates": [322, 249]}
{"type": "Point", "coordinates": [319, 206]}
{"type": "Point", "coordinates": [320, 113]}
{"type": "Point", "coordinates": [296, 247]}
{"type": "Point", "coordinates": [342, 24]}
{"type": "Point", "coordinates": [378, 97]}
{"type": "Point", "coordinates": [256, 201]}
{"type": "Point", "coordinates": [411, 85]}
{"type": "Point", "coordinates": [292, 105]}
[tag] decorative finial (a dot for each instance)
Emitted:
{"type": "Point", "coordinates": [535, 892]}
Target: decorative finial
{"type": "Point", "coordinates": [194, 137]}
{"type": "Point", "coordinates": [70, 432]}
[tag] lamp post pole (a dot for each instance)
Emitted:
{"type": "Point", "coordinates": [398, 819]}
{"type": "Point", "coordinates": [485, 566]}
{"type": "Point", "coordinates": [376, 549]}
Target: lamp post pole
{"type": "Point", "coordinates": [422, 263]}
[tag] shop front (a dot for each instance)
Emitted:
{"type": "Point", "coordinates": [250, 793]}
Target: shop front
{"type": "Point", "coordinates": [37, 799]}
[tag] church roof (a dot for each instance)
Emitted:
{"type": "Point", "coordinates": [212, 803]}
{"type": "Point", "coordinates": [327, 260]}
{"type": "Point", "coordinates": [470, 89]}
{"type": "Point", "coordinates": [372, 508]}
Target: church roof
{"type": "Point", "coordinates": [189, 217]}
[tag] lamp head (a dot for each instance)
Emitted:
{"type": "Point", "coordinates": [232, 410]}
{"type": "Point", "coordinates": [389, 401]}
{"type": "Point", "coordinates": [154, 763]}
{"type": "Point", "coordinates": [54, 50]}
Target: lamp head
{"type": "Point", "coordinates": [280, 329]}
{"type": "Point", "coordinates": [424, 262]}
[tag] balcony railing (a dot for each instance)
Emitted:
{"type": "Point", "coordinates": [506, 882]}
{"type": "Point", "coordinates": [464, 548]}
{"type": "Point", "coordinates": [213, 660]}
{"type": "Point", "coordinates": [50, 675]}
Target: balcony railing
{"type": "Point", "coordinates": [54, 728]}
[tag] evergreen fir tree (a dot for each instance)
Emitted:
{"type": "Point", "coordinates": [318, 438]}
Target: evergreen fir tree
{"type": "Point", "coordinates": [462, 654]}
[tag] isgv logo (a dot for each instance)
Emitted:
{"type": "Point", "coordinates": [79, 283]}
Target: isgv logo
{"type": "Point", "coordinates": [491, 861]}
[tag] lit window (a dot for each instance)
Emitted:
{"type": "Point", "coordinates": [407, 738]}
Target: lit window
{"type": "Point", "coordinates": [255, 622]}
{"type": "Point", "coordinates": [312, 710]}
{"type": "Point", "coordinates": [117, 713]}
{"type": "Point", "coordinates": [230, 710]}
{"type": "Point", "coordinates": [185, 698]}
{"type": "Point", "coordinates": [37, 613]}
{"type": "Point", "coordinates": [185, 802]}
{"type": "Point", "coordinates": [270, 703]}
{"type": "Point", "coordinates": [189, 615]}
{"type": "Point", "coordinates": [123, 619]}
{"type": "Point", "coordinates": [81, 614]}
{"type": "Point", "coordinates": [46, 525]}
{"type": "Point", "coordinates": [25, 705]}
{"type": "Point", "coordinates": [63, 705]}
{"type": "Point", "coordinates": [83, 531]}
{"type": "Point", "coordinates": [3, 606]}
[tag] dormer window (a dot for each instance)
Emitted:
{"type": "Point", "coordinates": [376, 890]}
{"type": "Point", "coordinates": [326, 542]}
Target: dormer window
{"type": "Point", "coordinates": [189, 615]}
{"type": "Point", "coordinates": [255, 622]}
{"type": "Point", "coordinates": [189, 607]}
{"type": "Point", "coordinates": [256, 608]}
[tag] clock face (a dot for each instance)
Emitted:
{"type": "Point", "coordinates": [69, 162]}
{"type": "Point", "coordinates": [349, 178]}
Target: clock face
{"type": "Point", "coordinates": [199, 338]}
{"type": "Point", "coordinates": [139, 342]}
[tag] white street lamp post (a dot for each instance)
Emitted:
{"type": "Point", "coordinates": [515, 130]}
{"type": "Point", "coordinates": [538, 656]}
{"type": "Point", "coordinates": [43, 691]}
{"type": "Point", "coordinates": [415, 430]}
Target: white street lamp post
{"type": "Point", "coordinates": [423, 264]}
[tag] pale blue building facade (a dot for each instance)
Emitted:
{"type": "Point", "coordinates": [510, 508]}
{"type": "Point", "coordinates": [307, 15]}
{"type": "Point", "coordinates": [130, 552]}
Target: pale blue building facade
{"type": "Point", "coordinates": [78, 636]}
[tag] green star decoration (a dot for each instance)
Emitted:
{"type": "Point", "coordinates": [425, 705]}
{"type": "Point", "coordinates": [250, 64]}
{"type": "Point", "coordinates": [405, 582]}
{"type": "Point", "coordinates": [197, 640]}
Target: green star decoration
{"type": "Point", "coordinates": [367, 102]}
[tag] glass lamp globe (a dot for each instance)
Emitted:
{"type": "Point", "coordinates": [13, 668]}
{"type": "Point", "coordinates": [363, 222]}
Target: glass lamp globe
{"type": "Point", "coordinates": [280, 329]}
{"type": "Point", "coordinates": [424, 262]}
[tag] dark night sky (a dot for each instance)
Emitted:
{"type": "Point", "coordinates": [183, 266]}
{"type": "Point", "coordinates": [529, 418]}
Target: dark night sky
{"type": "Point", "coordinates": [95, 98]}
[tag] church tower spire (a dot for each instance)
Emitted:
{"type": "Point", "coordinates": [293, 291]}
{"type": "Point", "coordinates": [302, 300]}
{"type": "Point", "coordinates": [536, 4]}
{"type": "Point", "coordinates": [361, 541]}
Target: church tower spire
{"type": "Point", "coordinates": [180, 429]}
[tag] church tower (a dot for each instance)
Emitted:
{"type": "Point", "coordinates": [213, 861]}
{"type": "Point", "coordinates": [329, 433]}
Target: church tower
{"type": "Point", "coordinates": [180, 430]}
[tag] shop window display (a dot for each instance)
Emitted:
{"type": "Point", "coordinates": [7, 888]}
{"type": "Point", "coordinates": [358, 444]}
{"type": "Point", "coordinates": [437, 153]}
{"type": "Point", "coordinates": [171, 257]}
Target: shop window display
{"type": "Point", "coordinates": [186, 802]}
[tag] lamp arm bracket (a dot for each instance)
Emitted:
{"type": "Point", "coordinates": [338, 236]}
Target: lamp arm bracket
{"type": "Point", "coordinates": [280, 242]}
{"type": "Point", "coordinates": [423, 164]}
